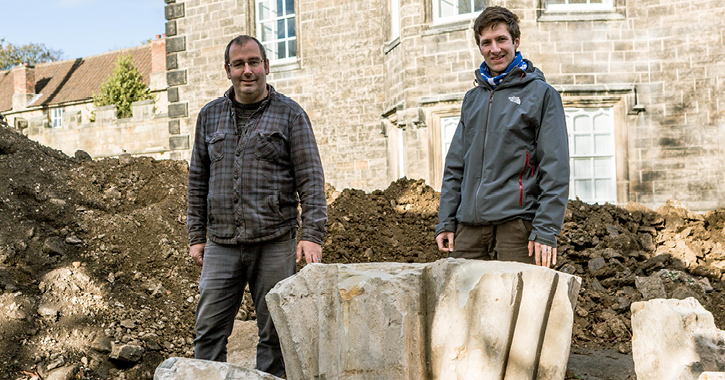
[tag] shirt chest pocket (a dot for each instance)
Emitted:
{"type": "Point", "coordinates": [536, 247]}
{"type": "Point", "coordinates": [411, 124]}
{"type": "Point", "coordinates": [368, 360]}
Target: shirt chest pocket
{"type": "Point", "coordinates": [271, 146]}
{"type": "Point", "coordinates": [215, 146]}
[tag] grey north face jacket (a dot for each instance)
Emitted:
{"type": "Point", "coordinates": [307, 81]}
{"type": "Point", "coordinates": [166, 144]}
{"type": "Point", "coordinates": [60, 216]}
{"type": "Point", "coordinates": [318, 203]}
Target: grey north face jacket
{"type": "Point", "coordinates": [509, 157]}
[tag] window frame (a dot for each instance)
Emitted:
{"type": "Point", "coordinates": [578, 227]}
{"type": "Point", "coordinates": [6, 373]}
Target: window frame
{"type": "Point", "coordinates": [259, 32]}
{"type": "Point", "coordinates": [435, 9]}
{"type": "Point", "coordinates": [615, 10]}
{"type": "Point", "coordinates": [56, 115]}
{"type": "Point", "coordinates": [434, 110]}
{"type": "Point", "coordinates": [444, 140]}
{"type": "Point", "coordinates": [572, 113]}
{"type": "Point", "coordinates": [394, 19]}
{"type": "Point", "coordinates": [621, 98]}
{"type": "Point", "coordinates": [606, 5]}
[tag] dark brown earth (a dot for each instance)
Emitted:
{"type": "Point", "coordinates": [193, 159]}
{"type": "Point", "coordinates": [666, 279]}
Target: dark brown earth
{"type": "Point", "coordinates": [93, 258]}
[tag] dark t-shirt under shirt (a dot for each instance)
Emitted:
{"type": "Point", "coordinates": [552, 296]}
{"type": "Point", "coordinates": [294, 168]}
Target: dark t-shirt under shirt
{"type": "Point", "coordinates": [244, 113]}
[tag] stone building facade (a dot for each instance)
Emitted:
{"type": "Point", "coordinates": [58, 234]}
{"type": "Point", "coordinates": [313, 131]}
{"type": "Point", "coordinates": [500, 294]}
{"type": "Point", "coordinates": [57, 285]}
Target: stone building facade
{"type": "Point", "coordinates": [383, 80]}
{"type": "Point", "coordinates": [52, 103]}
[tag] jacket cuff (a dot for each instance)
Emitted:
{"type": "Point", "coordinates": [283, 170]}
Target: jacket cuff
{"type": "Point", "coordinates": [445, 227]}
{"type": "Point", "coordinates": [549, 240]}
{"type": "Point", "coordinates": [197, 239]}
{"type": "Point", "coordinates": [312, 235]}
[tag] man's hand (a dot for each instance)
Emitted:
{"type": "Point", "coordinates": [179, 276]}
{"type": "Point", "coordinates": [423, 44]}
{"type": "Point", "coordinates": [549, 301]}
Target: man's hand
{"type": "Point", "coordinates": [545, 255]}
{"type": "Point", "coordinates": [445, 241]}
{"type": "Point", "coordinates": [312, 252]}
{"type": "Point", "coordinates": [196, 252]}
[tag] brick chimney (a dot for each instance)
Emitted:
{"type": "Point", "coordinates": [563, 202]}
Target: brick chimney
{"type": "Point", "coordinates": [158, 54]}
{"type": "Point", "coordinates": [158, 63]}
{"type": "Point", "coordinates": [23, 85]}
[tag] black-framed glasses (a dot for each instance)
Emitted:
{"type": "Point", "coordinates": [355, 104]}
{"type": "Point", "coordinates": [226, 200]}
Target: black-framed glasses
{"type": "Point", "coordinates": [239, 65]}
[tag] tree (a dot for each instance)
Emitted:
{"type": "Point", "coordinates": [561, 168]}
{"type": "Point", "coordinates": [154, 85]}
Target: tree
{"type": "Point", "coordinates": [13, 55]}
{"type": "Point", "coordinates": [123, 87]}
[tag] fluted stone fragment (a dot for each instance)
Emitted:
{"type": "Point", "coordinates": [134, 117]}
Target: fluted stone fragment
{"type": "Point", "coordinates": [507, 320]}
{"type": "Point", "coordinates": [452, 319]}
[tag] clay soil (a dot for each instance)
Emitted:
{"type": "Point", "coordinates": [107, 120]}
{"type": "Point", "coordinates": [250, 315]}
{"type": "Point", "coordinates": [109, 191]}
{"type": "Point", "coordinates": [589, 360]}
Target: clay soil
{"type": "Point", "coordinates": [93, 257]}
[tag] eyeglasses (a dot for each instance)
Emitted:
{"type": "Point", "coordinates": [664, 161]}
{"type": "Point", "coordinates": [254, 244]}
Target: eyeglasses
{"type": "Point", "coordinates": [239, 65]}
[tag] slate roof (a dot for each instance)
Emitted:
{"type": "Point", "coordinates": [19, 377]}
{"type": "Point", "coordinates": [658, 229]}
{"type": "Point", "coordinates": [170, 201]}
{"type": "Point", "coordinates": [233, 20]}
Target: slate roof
{"type": "Point", "coordinates": [74, 79]}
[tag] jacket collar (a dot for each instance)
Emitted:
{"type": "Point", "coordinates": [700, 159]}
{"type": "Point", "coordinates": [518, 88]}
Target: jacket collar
{"type": "Point", "coordinates": [229, 94]}
{"type": "Point", "coordinates": [515, 77]}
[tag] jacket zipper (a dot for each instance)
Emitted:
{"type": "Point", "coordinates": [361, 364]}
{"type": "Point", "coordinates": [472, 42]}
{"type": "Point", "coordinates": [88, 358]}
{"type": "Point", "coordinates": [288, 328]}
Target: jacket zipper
{"type": "Point", "coordinates": [527, 164]}
{"type": "Point", "coordinates": [483, 161]}
{"type": "Point", "coordinates": [521, 180]}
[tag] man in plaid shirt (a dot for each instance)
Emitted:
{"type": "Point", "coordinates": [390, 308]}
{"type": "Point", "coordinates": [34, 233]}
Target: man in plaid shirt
{"type": "Point", "coordinates": [254, 161]}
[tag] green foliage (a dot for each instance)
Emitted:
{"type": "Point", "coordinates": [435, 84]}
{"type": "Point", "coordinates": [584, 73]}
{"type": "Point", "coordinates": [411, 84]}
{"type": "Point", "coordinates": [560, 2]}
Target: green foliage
{"type": "Point", "coordinates": [13, 55]}
{"type": "Point", "coordinates": [123, 87]}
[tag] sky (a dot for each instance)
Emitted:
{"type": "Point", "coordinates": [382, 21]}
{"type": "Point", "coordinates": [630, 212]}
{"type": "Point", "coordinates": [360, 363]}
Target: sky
{"type": "Point", "coordinates": [81, 28]}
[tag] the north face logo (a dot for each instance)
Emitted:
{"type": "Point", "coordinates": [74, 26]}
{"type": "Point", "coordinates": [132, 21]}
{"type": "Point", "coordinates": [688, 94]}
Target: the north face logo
{"type": "Point", "coordinates": [515, 99]}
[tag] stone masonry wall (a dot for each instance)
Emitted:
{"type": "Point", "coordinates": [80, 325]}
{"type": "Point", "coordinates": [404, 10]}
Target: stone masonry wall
{"type": "Point", "coordinates": [144, 134]}
{"type": "Point", "coordinates": [341, 89]}
{"type": "Point", "coordinates": [658, 64]}
{"type": "Point", "coordinates": [681, 151]}
{"type": "Point", "coordinates": [197, 32]}
{"type": "Point", "coordinates": [672, 55]}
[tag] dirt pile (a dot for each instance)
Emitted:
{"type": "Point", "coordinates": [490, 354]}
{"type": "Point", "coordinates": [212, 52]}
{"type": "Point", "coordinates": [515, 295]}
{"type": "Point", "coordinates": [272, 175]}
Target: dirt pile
{"type": "Point", "coordinates": [95, 275]}
{"type": "Point", "coordinates": [629, 254]}
{"type": "Point", "coordinates": [397, 224]}
{"type": "Point", "coordinates": [678, 252]}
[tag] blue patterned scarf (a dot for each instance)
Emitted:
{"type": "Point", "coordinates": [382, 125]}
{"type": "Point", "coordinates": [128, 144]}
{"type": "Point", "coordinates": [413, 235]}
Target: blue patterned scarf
{"type": "Point", "coordinates": [495, 81]}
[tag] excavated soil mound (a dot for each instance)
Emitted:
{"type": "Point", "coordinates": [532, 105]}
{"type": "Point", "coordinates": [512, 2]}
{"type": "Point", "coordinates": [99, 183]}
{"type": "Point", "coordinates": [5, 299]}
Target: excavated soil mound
{"type": "Point", "coordinates": [608, 246]}
{"type": "Point", "coordinates": [93, 258]}
{"type": "Point", "coordinates": [95, 276]}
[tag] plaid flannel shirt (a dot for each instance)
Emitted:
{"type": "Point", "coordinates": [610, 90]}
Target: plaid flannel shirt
{"type": "Point", "coordinates": [246, 189]}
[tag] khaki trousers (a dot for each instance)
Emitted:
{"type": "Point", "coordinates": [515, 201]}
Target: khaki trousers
{"type": "Point", "coordinates": [504, 242]}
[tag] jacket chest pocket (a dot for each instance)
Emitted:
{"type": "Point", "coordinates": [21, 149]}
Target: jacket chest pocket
{"type": "Point", "coordinates": [215, 146]}
{"type": "Point", "coordinates": [270, 146]}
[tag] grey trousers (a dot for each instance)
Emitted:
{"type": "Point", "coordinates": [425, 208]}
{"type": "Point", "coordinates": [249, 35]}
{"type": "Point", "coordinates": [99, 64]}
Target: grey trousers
{"type": "Point", "coordinates": [505, 242]}
{"type": "Point", "coordinates": [226, 271]}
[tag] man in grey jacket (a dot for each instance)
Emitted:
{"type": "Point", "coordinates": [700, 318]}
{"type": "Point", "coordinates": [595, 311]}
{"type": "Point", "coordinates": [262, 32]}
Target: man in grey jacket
{"type": "Point", "coordinates": [506, 177]}
{"type": "Point", "coordinates": [254, 161]}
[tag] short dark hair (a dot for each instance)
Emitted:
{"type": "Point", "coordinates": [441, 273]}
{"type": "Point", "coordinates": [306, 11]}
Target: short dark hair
{"type": "Point", "coordinates": [492, 16]}
{"type": "Point", "coordinates": [241, 41]}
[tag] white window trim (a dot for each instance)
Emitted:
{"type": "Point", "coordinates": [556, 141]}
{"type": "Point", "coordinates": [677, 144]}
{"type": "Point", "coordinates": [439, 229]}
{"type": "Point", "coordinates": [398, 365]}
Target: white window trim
{"type": "Point", "coordinates": [259, 29]}
{"type": "Point", "coordinates": [437, 108]}
{"type": "Point", "coordinates": [56, 114]}
{"type": "Point", "coordinates": [394, 19]}
{"type": "Point", "coordinates": [604, 6]}
{"type": "Point", "coordinates": [444, 140]}
{"type": "Point", "coordinates": [572, 156]}
{"type": "Point", "coordinates": [283, 61]}
{"type": "Point", "coordinates": [451, 19]}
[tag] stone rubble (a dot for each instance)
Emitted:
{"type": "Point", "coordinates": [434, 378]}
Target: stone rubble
{"type": "Point", "coordinates": [712, 376]}
{"type": "Point", "coordinates": [103, 241]}
{"type": "Point", "coordinates": [675, 340]}
{"type": "Point", "coordinates": [193, 369]}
